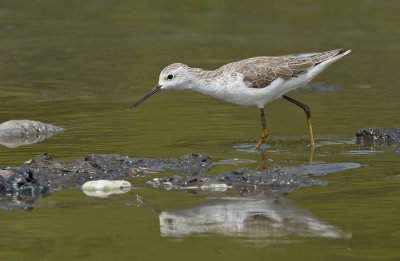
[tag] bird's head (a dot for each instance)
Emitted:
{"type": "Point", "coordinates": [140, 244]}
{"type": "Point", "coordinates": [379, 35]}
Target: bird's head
{"type": "Point", "coordinates": [173, 77]}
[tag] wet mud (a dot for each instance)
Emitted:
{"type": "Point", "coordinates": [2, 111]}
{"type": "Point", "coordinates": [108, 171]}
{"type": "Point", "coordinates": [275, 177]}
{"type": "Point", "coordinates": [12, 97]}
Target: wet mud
{"type": "Point", "coordinates": [277, 180]}
{"type": "Point", "coordinates": [40, 176]}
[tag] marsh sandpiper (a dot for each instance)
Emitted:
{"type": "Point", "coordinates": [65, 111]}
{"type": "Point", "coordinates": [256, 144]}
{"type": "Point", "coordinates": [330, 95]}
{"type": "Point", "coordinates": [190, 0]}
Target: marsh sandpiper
{"type": "Point", "coordinates": [251, 82]}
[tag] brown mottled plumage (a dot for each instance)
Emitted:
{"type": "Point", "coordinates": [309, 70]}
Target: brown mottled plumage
{"type": "Point", "coordinates": [259, 72]}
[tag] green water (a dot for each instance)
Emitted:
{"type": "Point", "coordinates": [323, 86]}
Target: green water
{"type": "Point", "coordinates": [81, 64]}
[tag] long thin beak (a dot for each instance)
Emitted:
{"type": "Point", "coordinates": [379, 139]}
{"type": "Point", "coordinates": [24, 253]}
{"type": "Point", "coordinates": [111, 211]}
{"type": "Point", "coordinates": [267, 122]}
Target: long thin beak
{"type": "Point", "coordinates": [155, 89]}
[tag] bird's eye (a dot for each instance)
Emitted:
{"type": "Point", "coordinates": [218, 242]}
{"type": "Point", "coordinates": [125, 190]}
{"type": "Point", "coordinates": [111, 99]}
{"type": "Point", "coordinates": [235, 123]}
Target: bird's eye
{"type": "Point", "coordinates": [170, 76]}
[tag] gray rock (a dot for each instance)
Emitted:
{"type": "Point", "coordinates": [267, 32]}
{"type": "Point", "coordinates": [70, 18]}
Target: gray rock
{"type": "Point", "coordinates": [15, 133]}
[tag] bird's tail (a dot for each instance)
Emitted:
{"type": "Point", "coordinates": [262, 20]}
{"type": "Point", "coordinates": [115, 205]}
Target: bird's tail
{"type": "Point", "coordinates": [329, 56]}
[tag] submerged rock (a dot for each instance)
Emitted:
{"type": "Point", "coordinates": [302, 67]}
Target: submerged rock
{"type": "Point", "coordinates": [322, 87]}
{"type": "Point", "coordinates": [373, 136]}
{"type": "Point", "coordinates": [15, 133]}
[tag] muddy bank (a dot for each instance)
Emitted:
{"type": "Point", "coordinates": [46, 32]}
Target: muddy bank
{"type": "Point", "coordinates": [21, 186]}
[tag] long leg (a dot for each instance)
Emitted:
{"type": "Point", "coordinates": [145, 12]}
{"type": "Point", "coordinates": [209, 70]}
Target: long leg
{"type": "Point", "coordinates": [264, 133]}
{"type": "Point", "coordinates": [308, 114]}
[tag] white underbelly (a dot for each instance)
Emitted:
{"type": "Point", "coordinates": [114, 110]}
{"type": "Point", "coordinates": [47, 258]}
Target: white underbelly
{"type": "Point", "coordinates": [243, 95]}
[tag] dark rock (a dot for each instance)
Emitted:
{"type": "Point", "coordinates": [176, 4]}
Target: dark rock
{"type": "Point", "coordinates": [21, 190]}
{"type": "Point", "coordinates": [373, 136]}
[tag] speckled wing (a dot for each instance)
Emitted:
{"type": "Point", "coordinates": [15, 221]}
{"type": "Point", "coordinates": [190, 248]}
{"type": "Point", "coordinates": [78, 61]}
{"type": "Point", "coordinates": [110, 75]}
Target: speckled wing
{"type": "Point", "coordinates": [260, 72]}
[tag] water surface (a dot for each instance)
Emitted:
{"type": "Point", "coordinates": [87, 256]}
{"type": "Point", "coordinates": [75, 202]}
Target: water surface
{"type": "Point", "coordinates": [81, 64]}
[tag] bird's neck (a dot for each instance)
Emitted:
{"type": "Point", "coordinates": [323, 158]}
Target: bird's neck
{"type": "Point", "coordinates": [206, 82]}
{"type": "Point", "coordinates": [204, 77]}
